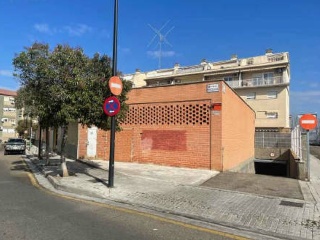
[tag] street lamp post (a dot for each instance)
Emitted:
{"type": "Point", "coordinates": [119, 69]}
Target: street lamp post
{"type": "Point", "coordinates": [113, 120]}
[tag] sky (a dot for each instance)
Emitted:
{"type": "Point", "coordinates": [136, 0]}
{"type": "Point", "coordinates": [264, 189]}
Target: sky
{"type": "Point", "coordinates": [193, 30]}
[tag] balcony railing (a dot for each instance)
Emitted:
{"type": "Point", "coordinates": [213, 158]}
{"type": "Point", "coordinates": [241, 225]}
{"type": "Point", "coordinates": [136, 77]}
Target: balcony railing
{"type": "Point", "coordinates": [190, 70]}
{"type": "Point", "coordinates": [256, 82]}
{"type": "Point", "coordinates": [160, 73]}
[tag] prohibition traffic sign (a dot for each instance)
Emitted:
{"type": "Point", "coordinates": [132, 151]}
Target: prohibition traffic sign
{"type": "Point", "coordinates": [111, 106]}
{"type": "Point", "coordinates": [308, 121]}
{"type": "Point", "coordinates": [115, 85]}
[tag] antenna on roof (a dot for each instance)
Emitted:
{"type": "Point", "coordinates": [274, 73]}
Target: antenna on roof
{"type": "Point", "coordinates": [162, 39]}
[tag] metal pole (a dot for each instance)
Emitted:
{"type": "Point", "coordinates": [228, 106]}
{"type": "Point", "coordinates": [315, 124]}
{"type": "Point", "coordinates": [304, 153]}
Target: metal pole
{"type": "Point", "coordinates": [113, 120]}
{"type": "Point", "coordinates": [308, 157]}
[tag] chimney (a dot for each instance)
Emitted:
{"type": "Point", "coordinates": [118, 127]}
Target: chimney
{"type": "Point", "coordinates": [203, 61]}
{"type": "Point", "coordinates": [234, 57]}
{"type": "Point", "coordinates": [269, 51]}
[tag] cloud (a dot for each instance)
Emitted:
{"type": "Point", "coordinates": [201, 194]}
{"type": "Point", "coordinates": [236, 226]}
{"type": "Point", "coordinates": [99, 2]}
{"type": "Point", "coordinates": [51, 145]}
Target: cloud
{"type": "Point", "coordinates": [314, 85]}
{"type": "Point", "coordinates": [311, 84]}
{"type": "Point", "coordinates": [156, 54]}
{"type": "Point", "coordinates": [6, 73]}
{"type": "Point", "coordinates": [305, 101]}
{"type": "Point", "coordinates": [306, 95]}
{"type": "Point", "coordinates": [44, 28]}
{"type": "Point", "coordinates": [77, 30]}
{"type": "Point", "coordinates": [72, 30]}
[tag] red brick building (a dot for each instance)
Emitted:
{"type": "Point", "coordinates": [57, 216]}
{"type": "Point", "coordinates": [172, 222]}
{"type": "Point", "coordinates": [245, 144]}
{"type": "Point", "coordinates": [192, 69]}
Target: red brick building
{"type": "Point", "coordinates": [200, 125]}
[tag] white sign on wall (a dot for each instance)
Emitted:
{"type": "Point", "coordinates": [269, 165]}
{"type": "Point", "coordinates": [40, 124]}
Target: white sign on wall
{"type": "Point", "coordinates": [214, 87]}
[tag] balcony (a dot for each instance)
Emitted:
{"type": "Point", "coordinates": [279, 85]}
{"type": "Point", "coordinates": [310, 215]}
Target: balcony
{"type": "Point", "coordinates": [160, 73]}
{"type": "Point", "coordinates": [187, 70]}
{"type": "Point", "coordinates": [257, 82]}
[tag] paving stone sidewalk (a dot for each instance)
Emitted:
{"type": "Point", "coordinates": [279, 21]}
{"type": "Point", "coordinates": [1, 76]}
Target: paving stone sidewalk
{"type": "Point", "coordinates": [182, 195]}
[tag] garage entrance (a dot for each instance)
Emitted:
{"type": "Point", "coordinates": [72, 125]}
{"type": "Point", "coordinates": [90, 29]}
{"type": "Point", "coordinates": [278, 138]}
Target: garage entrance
{"type": "Point", "coordinates": [271, 167]}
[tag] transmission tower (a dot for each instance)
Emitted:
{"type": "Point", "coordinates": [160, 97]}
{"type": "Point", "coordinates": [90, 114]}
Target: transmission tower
{"type": "Point", "coordinates": [162, 38]}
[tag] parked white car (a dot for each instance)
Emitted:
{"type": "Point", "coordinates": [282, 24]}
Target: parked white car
{"type": "Point", "coordinates": [15, 145]}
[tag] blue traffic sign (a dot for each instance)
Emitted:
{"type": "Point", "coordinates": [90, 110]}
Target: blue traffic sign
{"type": "Point", "coordinates": [111, 106]}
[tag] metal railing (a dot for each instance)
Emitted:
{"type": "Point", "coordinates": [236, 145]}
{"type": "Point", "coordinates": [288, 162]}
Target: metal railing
{"type": "Point", "coordinates": [256, 82]}
{"type": "Point", "coordinates": [190, 69]}
{"type": "Point", "coordinates": [296, 145]}
{"type": "Point", "coordinates": [272, 140]}
{"type": "Point", "coordinates": [160, 73]}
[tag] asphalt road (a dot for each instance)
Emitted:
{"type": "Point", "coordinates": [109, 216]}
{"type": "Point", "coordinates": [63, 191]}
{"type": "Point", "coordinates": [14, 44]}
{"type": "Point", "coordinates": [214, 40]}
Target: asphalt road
{"type": "Point", "coordinates": [27, 212]}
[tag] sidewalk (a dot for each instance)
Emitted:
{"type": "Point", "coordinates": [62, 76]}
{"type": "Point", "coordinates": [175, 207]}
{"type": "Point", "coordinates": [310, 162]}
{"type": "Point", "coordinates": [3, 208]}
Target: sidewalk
{"type": "Point", "coordinates": [177, 191]}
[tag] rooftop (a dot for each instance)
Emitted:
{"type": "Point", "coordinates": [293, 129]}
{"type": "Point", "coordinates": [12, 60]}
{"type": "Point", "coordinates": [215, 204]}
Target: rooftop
{"type": "Point", "coordinates": [6, 92]}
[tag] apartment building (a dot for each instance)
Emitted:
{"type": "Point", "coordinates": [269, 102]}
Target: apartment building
{"type": "Point", "coordinates": [261, 81]}
{"type": "Point", "coordinates": [8, 113]}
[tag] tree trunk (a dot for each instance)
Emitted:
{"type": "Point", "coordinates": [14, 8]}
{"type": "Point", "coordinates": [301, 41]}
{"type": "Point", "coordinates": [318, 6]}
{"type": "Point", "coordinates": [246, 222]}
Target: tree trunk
{"type": "Point", "coordinates": [47, 147]}
{"type": "Point", "coordinates": [40, 142]}
{"type": "Point", "coordinates": [64, 168]}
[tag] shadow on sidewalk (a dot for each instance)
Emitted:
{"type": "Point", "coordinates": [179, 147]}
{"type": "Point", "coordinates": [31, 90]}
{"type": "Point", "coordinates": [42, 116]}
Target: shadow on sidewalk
{"type": "Point", "coordinates": [75, 168]}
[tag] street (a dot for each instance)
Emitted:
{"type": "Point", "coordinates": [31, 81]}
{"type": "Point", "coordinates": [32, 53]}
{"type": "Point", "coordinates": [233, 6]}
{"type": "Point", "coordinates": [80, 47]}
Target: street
{"type": "Point", "coordinates": [315, 151]}
{"type": "Point", "coordinates": [28, 212]}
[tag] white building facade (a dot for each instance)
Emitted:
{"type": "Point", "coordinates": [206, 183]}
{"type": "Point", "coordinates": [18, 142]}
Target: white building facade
{"type": "Point", "coordinates": [262, 81]}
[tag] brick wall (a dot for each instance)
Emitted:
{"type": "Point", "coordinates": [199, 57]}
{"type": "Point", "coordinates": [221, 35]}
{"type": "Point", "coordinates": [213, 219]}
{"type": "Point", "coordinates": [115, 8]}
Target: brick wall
{"type": "Point", "coordinates": [176, 126]}
{"type": "Point", "coordinates": [238, 130]}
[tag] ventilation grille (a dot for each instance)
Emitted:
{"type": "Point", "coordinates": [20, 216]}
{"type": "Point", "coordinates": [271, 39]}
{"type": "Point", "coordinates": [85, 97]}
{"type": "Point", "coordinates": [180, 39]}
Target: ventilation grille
{"type": "Point", "coordinates": [195, 113]}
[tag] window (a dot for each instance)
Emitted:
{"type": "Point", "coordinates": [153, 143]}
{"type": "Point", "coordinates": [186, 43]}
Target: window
{"type": "Point", "coordinates": [257, 79]}
{"type": "Point", "coordinates": [262, 78]}
{"type": "Point", "coordinates": [272, 115]}
{"type": "Point", "coordinates": [228, 78]}
{"type": "Point", "coordinates": [268, 78]}
{"type": "Point", "coordinates": [251, 95]}
{"type": "Point", "coordinates": [272, 94]}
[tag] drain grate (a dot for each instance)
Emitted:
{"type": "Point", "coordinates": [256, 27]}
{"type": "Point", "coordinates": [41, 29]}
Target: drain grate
{"type": "Point", "coordinates": [291, 204]}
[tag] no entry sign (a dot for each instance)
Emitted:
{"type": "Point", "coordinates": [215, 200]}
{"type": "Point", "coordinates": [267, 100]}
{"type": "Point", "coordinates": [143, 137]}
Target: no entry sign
{"type": "Point", "coordinates": [115, 85]}
{"type": "Point", "coordinates": [111, 106]}
{"type": "Point", "coordinates": [308, 121]}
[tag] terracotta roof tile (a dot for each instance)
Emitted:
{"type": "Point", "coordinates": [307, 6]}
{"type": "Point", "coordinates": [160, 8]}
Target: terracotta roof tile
{"type": "Point", "coordinates": [6, 92]}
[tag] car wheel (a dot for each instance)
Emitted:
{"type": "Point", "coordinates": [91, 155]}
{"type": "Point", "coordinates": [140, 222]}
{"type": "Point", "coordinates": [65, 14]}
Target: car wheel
{"type": "Point", "coordinates": [5, 153]}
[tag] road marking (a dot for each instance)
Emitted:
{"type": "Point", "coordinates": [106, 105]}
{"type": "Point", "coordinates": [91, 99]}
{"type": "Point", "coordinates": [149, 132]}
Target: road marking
{"type": "Point", "coordinates": [35, 183]}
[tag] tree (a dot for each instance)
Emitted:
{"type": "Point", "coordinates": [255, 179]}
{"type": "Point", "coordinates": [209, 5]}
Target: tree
{"type": "Point", "coordinates": [66, 85]}
{"type": "Point", "coordinates": [33, 71]}
{"type": "Point", "coordinates": [24, 126]}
